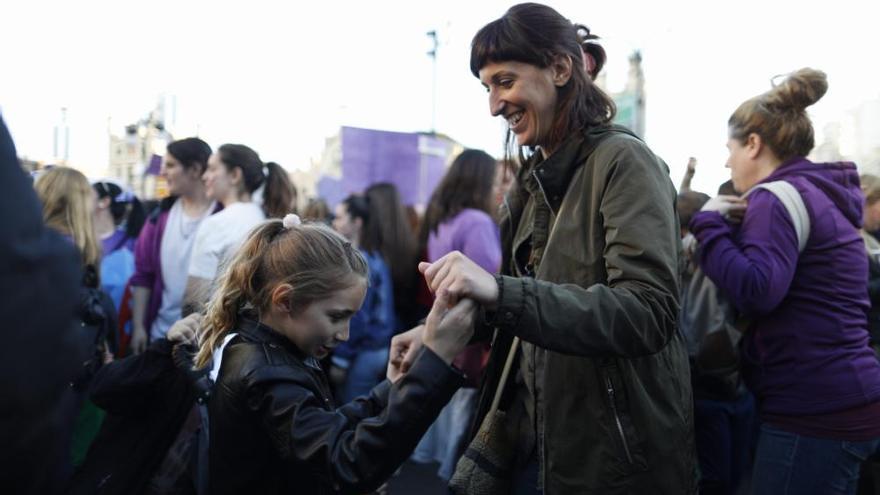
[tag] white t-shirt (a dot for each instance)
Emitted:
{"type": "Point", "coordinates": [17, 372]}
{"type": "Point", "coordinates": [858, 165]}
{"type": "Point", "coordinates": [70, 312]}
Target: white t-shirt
{"type": "Point", "coordinates": [220, 235]}
{"type": "Point", "coordinates": [174, 251]}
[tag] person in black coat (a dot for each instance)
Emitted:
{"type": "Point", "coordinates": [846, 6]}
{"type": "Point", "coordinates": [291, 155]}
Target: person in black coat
{"type": "Point", "coordinates": [39, 280]}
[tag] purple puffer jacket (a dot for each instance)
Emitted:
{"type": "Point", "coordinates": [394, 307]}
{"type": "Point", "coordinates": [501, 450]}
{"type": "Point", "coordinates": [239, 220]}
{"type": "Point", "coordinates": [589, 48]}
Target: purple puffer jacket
{"type": "Point", "coordinates": [806, 351]}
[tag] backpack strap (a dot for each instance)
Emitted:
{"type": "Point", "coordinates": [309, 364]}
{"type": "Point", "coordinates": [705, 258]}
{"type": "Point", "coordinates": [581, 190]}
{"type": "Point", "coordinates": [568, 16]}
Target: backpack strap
{"type": "Point", "coordinates": [793, 202]}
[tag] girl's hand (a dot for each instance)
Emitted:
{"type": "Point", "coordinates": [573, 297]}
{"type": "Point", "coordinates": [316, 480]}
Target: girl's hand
{"type": "Point", "coordinates": [404, 349]}
{"type": "Point", "coordinates": [448, 331]}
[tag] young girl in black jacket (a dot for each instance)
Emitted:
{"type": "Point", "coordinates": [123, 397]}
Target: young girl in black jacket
{"type": "Point", "coordinates": [284, 302]}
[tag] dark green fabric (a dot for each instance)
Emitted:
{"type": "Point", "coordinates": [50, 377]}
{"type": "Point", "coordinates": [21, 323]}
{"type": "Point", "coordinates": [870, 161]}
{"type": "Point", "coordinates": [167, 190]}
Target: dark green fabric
{"type": "Point", "coordinates": [615, 409]}
{"type": "Point", "coordinates": [88, 423]}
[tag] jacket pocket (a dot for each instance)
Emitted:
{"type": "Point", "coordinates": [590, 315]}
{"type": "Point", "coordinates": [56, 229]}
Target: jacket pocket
{"type": "Point", "coordinates": [626, 441]}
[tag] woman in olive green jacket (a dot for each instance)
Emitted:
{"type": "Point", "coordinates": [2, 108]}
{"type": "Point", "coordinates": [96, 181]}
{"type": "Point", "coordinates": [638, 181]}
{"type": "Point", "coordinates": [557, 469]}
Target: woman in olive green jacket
{"type": "Point", "coordinates": [600, 399]}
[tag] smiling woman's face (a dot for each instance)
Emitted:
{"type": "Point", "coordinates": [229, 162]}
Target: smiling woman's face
{"type": "Point", "coordinates": [525, 96]}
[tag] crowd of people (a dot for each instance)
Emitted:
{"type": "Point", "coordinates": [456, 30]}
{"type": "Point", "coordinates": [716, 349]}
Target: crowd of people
{"type": "Point", "coordinates": [582, 328]}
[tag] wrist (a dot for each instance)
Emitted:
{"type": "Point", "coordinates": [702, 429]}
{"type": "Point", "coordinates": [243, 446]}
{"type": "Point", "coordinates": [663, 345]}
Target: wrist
{"type": "Point", "coordinates": [443, 352]}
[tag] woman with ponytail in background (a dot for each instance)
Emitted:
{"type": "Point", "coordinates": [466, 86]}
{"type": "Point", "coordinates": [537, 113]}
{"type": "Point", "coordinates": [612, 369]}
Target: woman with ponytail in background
{"type": "Point", "coordinates": [250, 191]}
{"type": "Point", "coordinates": [284, 302]}
{"type": "Point", "coordinates": [119, 217]}
{"type": "Point", "coordinates": [805, 353]}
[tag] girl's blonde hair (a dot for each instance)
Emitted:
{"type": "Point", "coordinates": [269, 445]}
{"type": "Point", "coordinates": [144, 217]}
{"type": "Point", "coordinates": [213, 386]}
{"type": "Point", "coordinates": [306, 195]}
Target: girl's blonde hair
{"type": "Point", "coordinates": [67, 208]}
{"type": "Point", "coordinates": [780, 117]}
{"type": "Point", "coordinates": [313, 259]}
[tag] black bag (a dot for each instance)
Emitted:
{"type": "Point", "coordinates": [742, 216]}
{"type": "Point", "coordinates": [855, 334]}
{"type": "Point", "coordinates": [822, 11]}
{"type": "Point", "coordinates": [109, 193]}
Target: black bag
{"type": "Point", "coordinates": [95, 325]}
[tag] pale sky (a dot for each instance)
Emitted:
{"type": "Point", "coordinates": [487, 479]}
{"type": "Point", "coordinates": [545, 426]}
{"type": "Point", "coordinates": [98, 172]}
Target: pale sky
{"type": "Point", "coordinates": [282, 76]}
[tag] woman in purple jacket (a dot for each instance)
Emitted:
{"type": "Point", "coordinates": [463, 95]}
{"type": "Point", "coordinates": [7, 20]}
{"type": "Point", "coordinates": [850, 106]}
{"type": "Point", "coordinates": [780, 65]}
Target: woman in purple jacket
{"type": "Point", "coordinates": [164, 245]}
{"type": "Point", "coordinates": [805, 353]}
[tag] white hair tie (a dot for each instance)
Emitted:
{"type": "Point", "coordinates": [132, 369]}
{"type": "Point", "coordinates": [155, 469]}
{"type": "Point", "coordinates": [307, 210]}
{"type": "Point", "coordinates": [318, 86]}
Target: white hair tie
{"type": "Point", "coordinates": [291, 220]}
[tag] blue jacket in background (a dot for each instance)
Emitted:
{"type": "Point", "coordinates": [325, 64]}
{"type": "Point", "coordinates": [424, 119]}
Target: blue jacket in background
{"type": "Point", "coordinates": [371, 328]}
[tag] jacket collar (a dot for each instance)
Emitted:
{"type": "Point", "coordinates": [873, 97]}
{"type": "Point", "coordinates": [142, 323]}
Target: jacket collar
{"type": "Point", "coordinates": [255, 331]}
{"type": "Point", "coordinates": [553, 174]}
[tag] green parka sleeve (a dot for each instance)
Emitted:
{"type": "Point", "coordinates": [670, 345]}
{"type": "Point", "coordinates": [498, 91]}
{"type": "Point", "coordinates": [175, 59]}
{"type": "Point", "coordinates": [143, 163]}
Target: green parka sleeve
{"type": "Point", "coordinates": [634, 312]}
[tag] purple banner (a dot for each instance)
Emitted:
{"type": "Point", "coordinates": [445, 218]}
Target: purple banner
{"type": "Point", "coordinates": [413, 162]}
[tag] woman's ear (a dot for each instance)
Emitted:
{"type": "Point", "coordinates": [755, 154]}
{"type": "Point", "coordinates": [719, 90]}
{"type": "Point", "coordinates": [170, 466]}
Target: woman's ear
{"type": "Point", "coordinates": [561, 70]}
{"type": "Point", "coordinates": [196, 172]}
{"type": "Point", "coordinates": [280, 298]}
{"type": "Point", "coordinates": [754, 145]}
{"type": "Point", "coordinates": [236, 176]}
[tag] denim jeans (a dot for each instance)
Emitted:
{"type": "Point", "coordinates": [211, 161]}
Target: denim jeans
{"type": "Point", "coordinates": [726, 434]}
{"type": "Point", "coordinates": [791, 464]}
{"type": "Point", "coordinates": [366, 371]}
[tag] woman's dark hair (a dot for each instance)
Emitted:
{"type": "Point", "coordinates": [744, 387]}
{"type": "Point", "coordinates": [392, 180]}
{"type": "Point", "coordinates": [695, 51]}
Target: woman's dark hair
{"type": "Point", "coordinates": [534, 34]}
{"type": "Point", "coordinates": [278, 191]}
{"type": "Point", "coordinates": [124, 207]}
{"type": "Point", "coordinates": [467, 184]}
{"type": "Point", "coordinates": [358, 207]}
{"type": "Point", "coordinates": [190, 152]}
{"type": "Point", "coordinates": [388, 232]}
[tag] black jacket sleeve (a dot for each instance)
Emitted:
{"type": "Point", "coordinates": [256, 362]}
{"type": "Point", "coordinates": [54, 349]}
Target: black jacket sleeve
{"type": "Point", "coordinates": [130, 385]}
{"type": "Point", "coordinates": [357, 447]}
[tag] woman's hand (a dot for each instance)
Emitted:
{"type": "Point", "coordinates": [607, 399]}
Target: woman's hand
{"type": "Point", "coordinates": [730, 207]}
{"type": "Point", "coordinates": [456, 277]}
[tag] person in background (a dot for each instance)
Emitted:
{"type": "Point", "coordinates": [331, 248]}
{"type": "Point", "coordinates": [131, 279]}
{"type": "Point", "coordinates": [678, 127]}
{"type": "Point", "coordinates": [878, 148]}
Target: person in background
{"type": "Point", "coordinates": [317, 211]}
{"type": "Point", "coordinates": [395, 240]}
{"type": "Point", "coordinates": [724, 414]}
{"type": "Point", "coordinates": [68, 208]}
{"type": "Point", "coordinates": [871, 223]}
{"type": "Point", "coordinates": [250, 191]}
{"type": "Point", "coordinates": [119, 217]}
{"type": "Point", "coordinates": [688, 203]}
{"type": "Point", "coordinates": [163, 249]}
{"type": "Point", "coordinates": [688, 176]}
{"type": "Point", "coordinates": [460, 217]}
{"type": "Point", "coordinates": [359, 363]}
{"type": "Point", "coordinates": [40, 277]}
{"type": "Point", "coordinates": [805, 353]}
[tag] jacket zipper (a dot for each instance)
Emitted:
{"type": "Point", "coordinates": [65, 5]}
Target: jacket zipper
{"type": "Point", "coordinates": [609, 387]}
{"type": "Point", "coordinates": [543, 192]}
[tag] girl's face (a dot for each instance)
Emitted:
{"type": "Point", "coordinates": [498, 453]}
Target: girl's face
{"type": "Point", "coordinates": [180, 179]}
{"type": "Point", "coordinates": [525, 96]}
{"type": "Point", "coordinates": [219, 181]}
{"type": "Point", "coordinates": [322, 325]}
